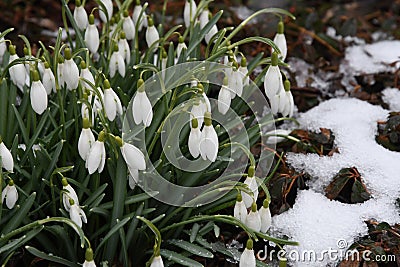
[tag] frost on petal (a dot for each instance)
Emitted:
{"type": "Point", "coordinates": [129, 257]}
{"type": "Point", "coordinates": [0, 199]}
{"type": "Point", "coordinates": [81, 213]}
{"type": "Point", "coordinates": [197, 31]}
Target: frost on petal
{"type": "Point", "coordinates": [194, 141]}
{"type": "Point", "coordinates": [38, 97]}
{"type": "Point", "coordinates": [7, 160]}
{"type": "Point", "coordinates": [133, 156]}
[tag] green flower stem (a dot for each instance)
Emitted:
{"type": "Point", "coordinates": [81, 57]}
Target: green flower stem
{"type": "Point", "coordinates": [157, 233]}
{"type": "Point", "coordinates": [245, 149]}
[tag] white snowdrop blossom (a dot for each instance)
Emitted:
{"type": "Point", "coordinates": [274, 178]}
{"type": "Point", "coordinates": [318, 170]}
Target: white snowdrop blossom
{"type": "Point", "coordinates": [10, 194]}
{"type": "Point", "coordinates": [86, 139]}
{"type": "Point", "coordinates": [251, 182]}
{"type": "Point", "coordinates": [124, 49]}
{"type": "Point", "coordinates": [89, 260]}
{"type": "Point", "coordinates": [38, 94]}
{"type": "Point", "coordinates": [152, 34]}
{"type": "Point", "coordinates": [189, 12]}
{"type": "Point", "coordinates": [133, 177]}
{"type": "Point", "coordinates": [17, 71]}
{"type": "Point", "coordinates": [86, 75]}
{"type": "Point", "coordinates": [106, 14]}
{"type": "Point", "coordinates": [194, 138]}
{"type": "Point", "coordinates": [209, 140]}
{"type": "Point", "coordinates": [265, 216]}
{"type": "Point", "coordinates": [69, 193]}
{"type": "Point", "coordinates": [157, 262]}
{"type": "Point", "coordinates": [141, 106]}
{"type": "Point", "coordinates": [92, 38]}
{"type": "Point", "coordinates": [96, 158]}
{"type": "Point", "coordinates": [180, 47]}
{"type": "Point", "coordinates": [248, 259]}
{"type": "Point", "coordinates": [135, 16]}
{"type": "Point", "coordinates": [80, 15]}
{"type": "Point", "coordinates": [204, 19]}
{"type": "Point", "coordinates": [112, 103]}
{"type": "Point", "coordinates": [128, 26]}
{"type": "Point", "coordinates": [7, 161]}
{"type": "Point", "coordinates": [235, 82]}
{"type": "Point", "coordinates": [3, 48]}
{"type": "Point", "coordinates": [76, 214]}
{"type": "Point", "coordinates": [286, 102]}
{"type": "Point", "coordinates": [253, 219]}
{"type": "Point", "coordinates": [70, 71]}
{"type": "Point", "coordinates": [133, 157]}
{"type": "Point", "coordinates": [273, 83]}
{"type": "Point", "coordinates": [243, 69]}
{"type": "Point", "coordinates": [274, 138]}
{"type": "Point", "coordinates": [48, 79]}
{"type": "Point", "coordinates": [280, 41]}
{"type": "Point", "coordinates": [224, 97]}
{"type": "Point", "coordinates": [60, 71]}
{"type": "Point", "coordinates": [117, 63]}
{"type": "Point", "coordinates": [240, 210]}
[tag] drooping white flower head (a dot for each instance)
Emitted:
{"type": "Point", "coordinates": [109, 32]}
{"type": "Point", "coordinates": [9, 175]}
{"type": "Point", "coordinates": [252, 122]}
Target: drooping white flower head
{"type": "Point", "coordinates": [86, 139]}
{"type": "Point", "coordinates": [253, 219]}
{"type": "Point", "coordinates": [273, 83]}
{"type": "Point", "coordinates": [235, 81]}
{"type": "Point", "coordinates": [180, 47]}
{"type": "Point", "coordinates": [194, 139]}
{"type": "Point", "coordinates": [89, 260]}
{"type": "Point", "coordinates": [152, 34]}
{"type": "Point", "coordinates": [106, 14]}
{"type": "Point", "coordinates": [211, 33]}
{"type": "Point", "coordinates": [124, 49]}
{"type": "Point", "coordinates": [27, 65]}
{"type": "Point", "coordinates": [274, 136]}
{"type": "Point", "coordinates": [7, 161]}
{"type": "Point", "coordinates": [248, 259]}
{"type": "Point", "coordinates": [280, 41]}
{"type": "Point", "coordinates": [265, 215]}
{"type": "Point", "coordinates": [76, 214]}
{"type": "Point", "coordinates": [251, 182]}
{"type": "Point", "coordinates": [243, 69]}
{"type": "Point", "coordinates": [69, 193]}
{"type": "Point", "coordinates": [204, 19]}
{"type": "Point", "coordinates": [240, 210]}
{"type": "Point", "coordinates": [38, 94]}
{"type": "Point", "coordinates": [17, 71]}
{"type": "Point", "coordinates": [136, 14]}
{"type": "Point", "coordinates": [224, 97]}
{"type": "Point", "coordinates": [141, 106]}
{"type": "Point", "coordinates": [112, 103]}
{"type": "Point", "coordinates": [209, 140]}
{"type": "Point", "coordinates": [48, 79]}
{"type": "Point", "coordinates": [70, 71]}
{"type": "Point", "coordinates": [10, 194]}
{"type": "Point", "coordinates": [286, 104]}
{"type": "Point", "coordinates": [86, 75]}
{"type": "Point", "coordinates": [92, 38]}
{"type": "Point", "coordinates": [128, 26]}
{"type": "Point", "coordinates": [3, 48]}
{"type": "Point", "coordinates": [133, 177]}
{"type": "Point", "coordinates": [132, 155]}
{"type": "Point", "coordinates": [60, 71]}
{"type": "Point", "coordinates": [97, 155]}
{"type": "Point", "coordinates": [80, 15]}
{"type": "Point", "coordinates": [157, 262]}
{"type": "Point", "coordinates": [117, 63]}
{"type": "Point", "coordinates": [164, 61]}
{"type": "Point", "coordinates": [189, 12]}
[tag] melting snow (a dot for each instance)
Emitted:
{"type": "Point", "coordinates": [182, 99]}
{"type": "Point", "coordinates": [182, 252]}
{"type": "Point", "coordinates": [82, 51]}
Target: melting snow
{"type": "Point", "coordinates": [391, 96]}
{"type": "Point", "coordinates": [319, 223]}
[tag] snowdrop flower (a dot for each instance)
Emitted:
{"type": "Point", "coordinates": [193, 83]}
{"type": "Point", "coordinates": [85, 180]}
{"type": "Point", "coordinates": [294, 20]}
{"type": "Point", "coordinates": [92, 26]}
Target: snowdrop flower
{"type": "Point", "coordinates": [251, 182]}
{"type": "Point", "coordinates": [157, 262]}
{"type": "Point", "coordinates": [224, 97]}
{"type": "Point", "coordinates": [248, 259]}
{"type": "Point", "coordinates": [152, 35]}
{"type": "Point", "coordinates": [240, 210]}
{"type": "Point", "coordinates": [243, 69]}
{"type": "Point", "coordinates": [38, 94]}
{"type": "Point", "coordinates": [209, 140]}
{"type": "Point", "coordinates": [265, 215]}
{"type": "Point", "coordinates": [86, 75]}
{"type": "Point", "coordinates": [124, 49]}
{"type": "Point", "coordinates": [89, 260]}
{"type": "Point", "coordinates": [141, 106]}
{"type": "Point", "coordinates": [60, 71]}
{"type": "Point", "coordinates": [76, 214]}
{"type": "Point", "coordinates": [180, 47]}
{"type": "Point", "coordinates": [27, 66]}
{"type": "Point", "coordinates": [286, 104]}
{"type": "Point", "coordinates": [127, 26]}
{"type": "Point", "coordinates": [80, 15]}
{"type": "Point", "coordinates": [194, 139]}
{"type": "Point", "coordinates": [204, 19]}
{"type": "Point", "coordinates": [67, 194]}
{"type": "Point", "coordinates": [273, 83]}
{"type": "Point", "coordinates": [197, 112]}
{"type": "Point", "coordinates": [7, 161]}
{"type": "Point", "coordinates": [92, 38]}
{"type": "Point", "coordinates": [273, 137]}
{"type": "Point", "coordinates": [70, 71]}
{"type": "Point", "coordinates": [3, 48]}
{"type": "Point", "coordinates": [189, 12]}
{"type": "Point", "coordinates": [48, 79]}
{"type": "Point", "coordinates": [97, 155]}
{"type": "Point", "coordinates": [9, 193]}
{"type": "Point", "coordinates": [132, 155]}
{"type": "Point", "coordinates": [135, 16]}
{"type": "Point", "coordinates": [280, 41]}
{"type": "Point", "coordinates": [117, 62]}
{"type": "Point", "coordinates": [106, 14]}
{"type": "Point", "coordinates": [86, 139]}
{"type": "Point", "coordinates": [235, 81]}
{"type": "Point", "coordinates": [17, 72]}
{"type": "Point", "coordinates": [253, 219]}
{"type": "Point", "coordinates": [133, 177]}
{"type": "Point", "coordinates": [164, 61]}
{"type": "Point", "coordinates": [112, 104]}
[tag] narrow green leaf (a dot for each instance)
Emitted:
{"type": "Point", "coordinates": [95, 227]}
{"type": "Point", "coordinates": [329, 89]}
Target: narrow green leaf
{"type": "Point", "coordinates": [49, 257]}
{"type": "Point", "coordinates": [192, 248]}
{"type": "Point", "coordinates": [20, 215]}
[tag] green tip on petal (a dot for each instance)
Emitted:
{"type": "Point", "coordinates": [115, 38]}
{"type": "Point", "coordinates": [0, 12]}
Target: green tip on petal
{"type": "Point", "coordinates": [119, 141]}
{"type": "Point", "coordinates": [122, 35]}
{"type": "Point", "coordinates": [225, 81]}
{"type": "Point", "coordinates": [140, 85]}
{"type": "Point", "coordinates": [91, 19]}
{"type": "Point", "coordinates": [106, 84]}
{"type": "Point", "coordinates": [11, 182]}
{"type": "Point", "coordinates": [67, 53]}
{"type": "Point", "coordinates": [35, 76]}
{"type": "Point", "coordinates": [26, 51]}
{"type": "Point", "coordinates": [207, 118]}
{"type": "Point", "coordinates": [102, 136]}
{"type": "Point", "coordinates": [85, 122]}
{"type": "Point", "coordinates": [138, 2]}
{"type": "Point", "coordinates": [89, 254]}
{"type": "Point", "coordinates": [78, 2]}
{"type": "Point", "coordinates": [254, 207]}
{"type": "Point", "coordinates": [11, 49]}
{"type": "Point", "coordinates": [126, 13]}
{"type": "Point", "coordinates": [164, 53]}
{"type": "Point", "coordinates": [266, 204]}
{"type": "Point", "coordinates": [282, 262]}
{"type": "Point", "coordinates": [243, 62]}
{"type": "Point", "coordinates": [71, 201]}
{"type": "Point", "coordinates": [286, 85]}
{"type": "Point", "coordinates": [251, 171]}
{"type": "Point", "coordinates": [195, 123]}
{"type": "Point", "coordinates": [201, 87]}
{"type": "Point", "coordinates": [64, 181]}
{"type": "Point", "coordinates": [249, 244]}
{"type": "Point", "coordinates": [83, 64]}
{"type": "Point", "coordinates": [60, 59]}
{"type": "Point", "coordinates": [150, 22]}
{"type": "Point", "coordinates": [85, 96]}
{"type": "Point", "coordinates": [180, 39]}
{"type": "Point", "coordinates": [46, 65]}
{"type": "Point", "coordinates": [274, 59]}
{"type": "Point", "coordinates": [239, 198]}
{"type": "Point", "coordinates": [281, 27]}
{"type": "Point", "coordinates": [116, 48]}
{"type": "Point", "coordinates": [1, 140]}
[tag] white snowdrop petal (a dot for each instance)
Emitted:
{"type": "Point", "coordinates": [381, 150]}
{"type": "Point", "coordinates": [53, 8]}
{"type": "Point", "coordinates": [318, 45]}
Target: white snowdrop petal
{"type": "Point", "coordinates": [147, 110]}
{"type": "Point", "coordinates": [247, 259]}
{"type": "Point", "coordinates": [48, 81]}
{"type": "Point", "coordinates": [121, 64]}
{"type": "Point", "coordinates": [253, 221]}
{"type": "Point", "coordinates": [152, 36]}
{"type": "Point", "coordinates": [265, 215]}
{"type": "Point", "coordinates": [74, 214]}
{"type": "Point", "coordinates": [113, 64]}
{"type": "Point", "coordinates": [273, 81]}
{"type": "Point", "coordinates": [273, 139]}
{"type": "Point", "coordinates": [133, 177]}
{"type": "Point", "coordinates": [85, 141]}
{"type": "Point", "coordinates": [157, 262]}
{"type": "Point", "coordinates": [11, 196]}
{"type": "Point", "coordinates": [95, 157]}
{"type": "Point", "coordinates": [7, 160]}
{"type": "Point", "coordinates": [109, 105]}
{"type": "Point", "coordinates": [189, 12]}
{"type": "Point", "coordinates": [38, 97]}
{"type": "Point", "coordinates": [103, 159]}
{"type": "Point", "coordinates": [71, 74]}
{"type": "Point", "coordinates": [280, 41]}
{"type": "Point", "coordinates": [92, 38]}
{"type": "Point", "coordinates": [252, 184]}
{"type": "Point", "coordinates": [81, 17]}
{"type": "Point", "coordinates": [224, 100]}
{"type": "Point", "coordinates": [240, 211]}
{"type": "Point", "coordinates": [129, 28]}
{"type": "Point", "coordinates": [193, 142]}
{"type": "Point", "coordinates": [275, 102]}
{"type": "Point", "coordinates": [109, 10]}
{"type": "Point", "coordinates": [133, 156]}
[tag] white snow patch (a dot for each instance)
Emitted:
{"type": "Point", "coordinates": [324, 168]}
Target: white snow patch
{"type": "Point", "coordinates": [315, 221]}
{"type": "Point", "coordinates": [391, 96]}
